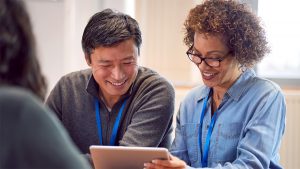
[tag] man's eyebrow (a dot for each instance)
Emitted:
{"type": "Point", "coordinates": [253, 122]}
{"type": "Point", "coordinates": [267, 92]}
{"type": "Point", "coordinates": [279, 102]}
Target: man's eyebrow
{"type": "Point", "coordinates": [128, 58]}
{"type": "Point", "coordinates": [103, 61]}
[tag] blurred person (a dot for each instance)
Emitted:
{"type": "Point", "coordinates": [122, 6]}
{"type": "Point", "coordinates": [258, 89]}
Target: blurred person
{"type": "Point", "coordinates": [114, 102]}
{"type": "Point", "coordinates": [236, 119]}
{"type": "Point", "coordinates": [31, 137]}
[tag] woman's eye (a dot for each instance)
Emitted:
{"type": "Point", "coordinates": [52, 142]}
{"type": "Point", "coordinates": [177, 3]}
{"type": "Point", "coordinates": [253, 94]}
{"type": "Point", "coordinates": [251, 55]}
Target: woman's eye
{"type": "Point", "coordinates": [214, 57]}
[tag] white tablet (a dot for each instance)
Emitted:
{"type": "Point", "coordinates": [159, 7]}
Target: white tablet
{"type": "Point", "coordinates": [119, 157]}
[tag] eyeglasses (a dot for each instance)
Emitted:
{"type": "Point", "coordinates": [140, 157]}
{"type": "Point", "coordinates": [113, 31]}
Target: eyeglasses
{"type": "Point", "coordinates": [197, 58]}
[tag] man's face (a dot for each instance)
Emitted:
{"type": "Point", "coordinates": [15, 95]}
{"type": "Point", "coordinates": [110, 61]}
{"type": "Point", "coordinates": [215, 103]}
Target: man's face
{"type": "Point", "coordinates": [114, 68]}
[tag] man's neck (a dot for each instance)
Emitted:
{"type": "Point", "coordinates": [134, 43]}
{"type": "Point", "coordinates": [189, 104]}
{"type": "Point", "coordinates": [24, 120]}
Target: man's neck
{"type": "Point", "coordinates": [110, 101]}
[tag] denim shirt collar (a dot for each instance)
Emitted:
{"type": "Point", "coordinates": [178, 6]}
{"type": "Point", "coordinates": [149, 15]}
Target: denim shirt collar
{"type": "Point", "coordinates": [237, 89]}
{"type": "Point", "coordinates": [242, 84]}
{"type": "Point", "coordinates": [204, 93]}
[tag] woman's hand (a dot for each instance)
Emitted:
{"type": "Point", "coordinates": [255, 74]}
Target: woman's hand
{"type": "Point", "coordinates": [173, 163]}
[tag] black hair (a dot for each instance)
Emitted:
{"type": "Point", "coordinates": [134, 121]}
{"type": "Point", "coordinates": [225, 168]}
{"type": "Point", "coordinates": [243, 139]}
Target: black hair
{"type": "Point", "coordinates": [109, 28]}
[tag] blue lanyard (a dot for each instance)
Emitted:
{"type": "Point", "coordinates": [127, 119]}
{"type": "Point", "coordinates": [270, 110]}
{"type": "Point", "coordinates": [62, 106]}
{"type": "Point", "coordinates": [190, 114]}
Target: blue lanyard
{"type": "Point", "coordinates": [116, 124]}
{"type": "Point", "coordinates": [204, 156]}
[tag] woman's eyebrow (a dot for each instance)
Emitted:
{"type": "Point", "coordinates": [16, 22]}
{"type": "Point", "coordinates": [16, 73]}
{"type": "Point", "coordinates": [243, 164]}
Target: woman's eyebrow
{"type": "Point", "coordinates": [209, 52]}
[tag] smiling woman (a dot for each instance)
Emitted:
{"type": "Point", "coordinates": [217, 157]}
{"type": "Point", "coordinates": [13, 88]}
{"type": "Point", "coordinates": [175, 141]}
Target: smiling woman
{"type": "Point", "coordinates": [218, 123]}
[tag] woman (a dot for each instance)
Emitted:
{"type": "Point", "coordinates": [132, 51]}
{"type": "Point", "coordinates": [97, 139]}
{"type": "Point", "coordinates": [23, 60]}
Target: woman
{"type": "Point", "coordinates": [236, 120]}
{"type": "Point", "coordinates": [30, 136]}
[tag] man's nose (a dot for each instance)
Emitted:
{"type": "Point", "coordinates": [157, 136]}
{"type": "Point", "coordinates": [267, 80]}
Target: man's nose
{"type": "Point", "coordinates": [118, 73]}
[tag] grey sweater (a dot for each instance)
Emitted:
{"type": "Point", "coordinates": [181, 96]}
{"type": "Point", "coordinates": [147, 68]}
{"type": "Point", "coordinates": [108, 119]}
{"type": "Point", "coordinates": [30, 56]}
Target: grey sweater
{"type": "Point", "coordinates": [146, 120]}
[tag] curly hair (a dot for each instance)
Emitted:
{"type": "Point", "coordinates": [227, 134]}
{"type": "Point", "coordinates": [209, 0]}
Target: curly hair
{"type": "Point", "coordinates": [237, 25]}
{"type": "Point", "coordinates": [19, 64]}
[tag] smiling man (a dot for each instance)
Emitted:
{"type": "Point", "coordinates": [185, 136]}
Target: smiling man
{"type": "Point", "coordinates": [115, 101]}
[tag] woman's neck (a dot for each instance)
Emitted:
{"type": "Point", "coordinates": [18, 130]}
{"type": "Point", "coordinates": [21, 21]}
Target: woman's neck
{"type": "Point", "coordinates": [217, 97]}
{"type": "Point", "coordinates": [219, 91]}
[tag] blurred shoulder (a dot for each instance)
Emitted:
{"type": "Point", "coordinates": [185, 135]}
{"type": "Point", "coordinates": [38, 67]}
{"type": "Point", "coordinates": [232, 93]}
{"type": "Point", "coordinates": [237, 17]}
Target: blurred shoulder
{"type": "Point", "coordinates": [17, 101]}
{"type": "Point", "coordinates": [16, 94]}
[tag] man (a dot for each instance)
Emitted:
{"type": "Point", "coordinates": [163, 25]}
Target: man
{"type": "Point", "coordinates": [115, 102]}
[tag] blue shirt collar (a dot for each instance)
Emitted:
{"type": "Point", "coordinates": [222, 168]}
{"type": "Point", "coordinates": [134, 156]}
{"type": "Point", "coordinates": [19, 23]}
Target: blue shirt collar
{"type": "Point", "coordinates": [203, 93]}
{"type": "Point", "coordinates": [242, 84]}
{"type": "Point", "coordinates": [237, 89]}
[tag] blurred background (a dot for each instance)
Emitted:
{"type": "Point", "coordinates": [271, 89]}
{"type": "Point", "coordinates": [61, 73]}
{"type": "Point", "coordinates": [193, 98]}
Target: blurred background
{"type": "Point", "coordinates": [58, 26]}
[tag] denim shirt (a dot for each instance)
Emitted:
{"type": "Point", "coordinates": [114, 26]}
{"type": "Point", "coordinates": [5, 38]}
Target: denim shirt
{"type": "Point", "coordinates": [248, 130]}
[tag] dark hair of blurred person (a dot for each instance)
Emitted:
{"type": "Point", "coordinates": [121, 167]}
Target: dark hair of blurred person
{"type": "Point", "coordinates": [18, 62]}
{"type": "Point", "coordinates": [31, 137]}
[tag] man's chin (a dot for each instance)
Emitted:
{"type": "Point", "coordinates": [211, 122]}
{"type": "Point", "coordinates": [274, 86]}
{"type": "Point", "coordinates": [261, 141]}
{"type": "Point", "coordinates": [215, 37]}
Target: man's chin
{"type": "Point", "coordinates": [118, 92]}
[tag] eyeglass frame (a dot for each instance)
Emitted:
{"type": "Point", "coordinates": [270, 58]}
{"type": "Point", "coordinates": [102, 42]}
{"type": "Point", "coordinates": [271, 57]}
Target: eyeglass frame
{"type": "Point", "coordinates": [219, 60]}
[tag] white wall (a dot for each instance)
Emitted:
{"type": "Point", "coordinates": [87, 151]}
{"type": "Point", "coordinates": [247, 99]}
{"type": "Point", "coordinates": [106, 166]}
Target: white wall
{"type": "Point", "coordinates": [47, 19]}
{"type": "Point", "coordinates": [163, 49]}
{"type": "Point", "coordinates": [58, 26]}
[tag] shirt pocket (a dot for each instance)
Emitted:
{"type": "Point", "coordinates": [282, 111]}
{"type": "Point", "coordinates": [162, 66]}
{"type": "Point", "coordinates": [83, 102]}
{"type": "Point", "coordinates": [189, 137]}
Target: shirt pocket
{"type": "Point", "coordinates": [190, 134]}
{"type": "Point", "coordinates": [226, 142]}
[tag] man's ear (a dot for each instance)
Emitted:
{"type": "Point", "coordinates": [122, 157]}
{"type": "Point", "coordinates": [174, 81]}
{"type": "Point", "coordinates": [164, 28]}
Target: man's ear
{"type": "Point", "coordinates": [87, 59]}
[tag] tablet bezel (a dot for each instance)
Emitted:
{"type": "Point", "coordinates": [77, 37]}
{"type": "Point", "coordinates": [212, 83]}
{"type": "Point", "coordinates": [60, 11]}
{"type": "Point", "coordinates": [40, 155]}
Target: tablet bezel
{"type": "Point", "coordinates": [121, 157]}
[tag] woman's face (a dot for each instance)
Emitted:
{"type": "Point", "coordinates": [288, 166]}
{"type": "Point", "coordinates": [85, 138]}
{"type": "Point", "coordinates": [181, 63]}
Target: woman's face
{"type": "Point", "coordinates": [222, 76]}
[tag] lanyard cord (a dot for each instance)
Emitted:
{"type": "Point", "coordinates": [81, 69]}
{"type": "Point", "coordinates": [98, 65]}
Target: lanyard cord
{"type": "Point", "coordinates": [116, 124]}
{"type": "Point", "coordinates": [204, 154]}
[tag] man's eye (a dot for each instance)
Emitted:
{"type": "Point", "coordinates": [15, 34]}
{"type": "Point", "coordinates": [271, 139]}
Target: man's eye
{"type": "Point", "coordinates": [129, 62]}
{"type": "Point", "coordinates": [103, 65]}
